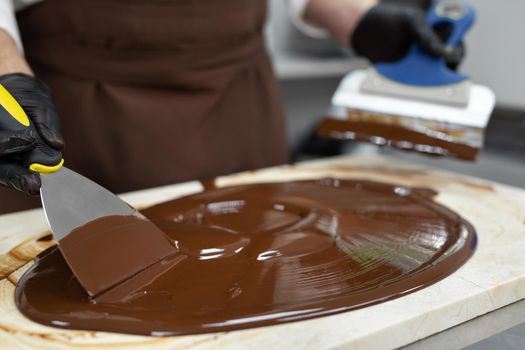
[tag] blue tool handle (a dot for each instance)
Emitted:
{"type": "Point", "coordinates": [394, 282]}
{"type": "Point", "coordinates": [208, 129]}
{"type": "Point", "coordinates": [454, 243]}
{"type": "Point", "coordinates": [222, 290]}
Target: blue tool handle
{"type": "Point", "coordinates": [457, 13]}
{"type": "Point", "coordinates": [421, 69]}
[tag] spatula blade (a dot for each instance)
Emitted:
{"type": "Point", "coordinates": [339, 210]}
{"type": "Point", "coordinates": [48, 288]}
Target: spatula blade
{"type": "Point", "coordinates": [103, 239]}
{"type": "Point", "coordinates": [70, 200]}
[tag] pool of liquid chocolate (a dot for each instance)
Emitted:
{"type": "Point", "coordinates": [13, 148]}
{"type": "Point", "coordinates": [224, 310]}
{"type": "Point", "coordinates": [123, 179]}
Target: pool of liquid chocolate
{"type": "Point", "coordinates": [263, 254]}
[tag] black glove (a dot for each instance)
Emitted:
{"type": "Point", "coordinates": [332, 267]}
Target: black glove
{"type": "Point", "coordinates": [388, 30]}
{"type": "Point", "coordinates": [35, 98]}
{"type": "Point", "coordinates": [455, 56]}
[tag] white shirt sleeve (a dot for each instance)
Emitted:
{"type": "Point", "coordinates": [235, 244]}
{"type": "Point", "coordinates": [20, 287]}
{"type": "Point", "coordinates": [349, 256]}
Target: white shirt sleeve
{"type": "Point", "coordinates": [8, 21]}
{"type": "Point", "coordinates": [296, 10]}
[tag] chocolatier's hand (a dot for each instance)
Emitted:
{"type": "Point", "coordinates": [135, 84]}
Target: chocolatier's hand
{"type": "Point", "coordinates": [455, 56]}
{"type": "Point", "coordinates": [388, 30]}
{"type": "Point", "coordinates": [34, 97]}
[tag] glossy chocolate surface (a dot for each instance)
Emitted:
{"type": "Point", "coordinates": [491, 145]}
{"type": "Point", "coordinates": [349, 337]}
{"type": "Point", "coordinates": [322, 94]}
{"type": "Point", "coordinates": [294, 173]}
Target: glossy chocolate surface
{"type": "Point", "coordinates": [263, 254]}
{"type": "Point", "coordinates": [112, 249]}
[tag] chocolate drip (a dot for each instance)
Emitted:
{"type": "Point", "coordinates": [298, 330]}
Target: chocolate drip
{"type": "Point", "coordinates": [435, 144]}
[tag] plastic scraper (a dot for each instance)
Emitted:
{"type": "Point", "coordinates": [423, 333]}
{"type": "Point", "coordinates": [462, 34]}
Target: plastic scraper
{"type": "Point", "coordinates": [103, 239]}
{"type": "Point", "coordinates": [417, 103]}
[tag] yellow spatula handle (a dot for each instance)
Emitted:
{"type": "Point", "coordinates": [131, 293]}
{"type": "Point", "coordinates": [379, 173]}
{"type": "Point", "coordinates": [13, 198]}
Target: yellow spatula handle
{"type": "Point", "coordinates": [43, 158]}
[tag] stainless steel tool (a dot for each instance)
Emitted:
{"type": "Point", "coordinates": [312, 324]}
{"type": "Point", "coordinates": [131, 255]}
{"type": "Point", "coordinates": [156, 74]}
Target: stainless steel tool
{"type": "Point", "coordinates": [72, 201]}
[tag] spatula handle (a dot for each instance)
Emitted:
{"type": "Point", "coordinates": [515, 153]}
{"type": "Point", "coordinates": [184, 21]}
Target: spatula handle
{"type": "Point", "coordinates": [456, 13]}
{"type": "Point", "coordinates": [419, 68]}
{"type": "Point", "coordinates": [42, 158]}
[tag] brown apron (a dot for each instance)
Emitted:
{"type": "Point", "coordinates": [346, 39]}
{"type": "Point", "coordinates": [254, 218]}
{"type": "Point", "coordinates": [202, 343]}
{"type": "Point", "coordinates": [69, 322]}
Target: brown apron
{"type": "Point", "coordinates": [154, 92]}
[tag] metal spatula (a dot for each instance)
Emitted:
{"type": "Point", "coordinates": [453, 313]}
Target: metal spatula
{"type": "Point", "coordinates": [72, 201]}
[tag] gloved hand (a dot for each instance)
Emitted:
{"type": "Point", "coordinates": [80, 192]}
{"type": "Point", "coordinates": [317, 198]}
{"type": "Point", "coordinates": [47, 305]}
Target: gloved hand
{"type": "Point", "coordinates": [35, 98]}
{"type": "Point", "coordinates": [388, 30]}
{"type": "Point", "coordinates": [454, 57]}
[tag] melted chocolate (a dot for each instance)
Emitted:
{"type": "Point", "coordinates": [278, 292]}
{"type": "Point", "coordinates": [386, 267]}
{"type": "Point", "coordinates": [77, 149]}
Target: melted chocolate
{"type": "Point", "coordinates": [432, 143]}
{"type": "Point", "coordinates": [263, 254]}
{"type": "Point", "coordinates": [108, 251]}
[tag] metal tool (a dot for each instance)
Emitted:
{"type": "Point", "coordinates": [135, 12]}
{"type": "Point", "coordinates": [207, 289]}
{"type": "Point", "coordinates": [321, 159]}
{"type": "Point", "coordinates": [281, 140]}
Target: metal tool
{"type": "Point", "coordinates": [71, 201]}
{"type": "Point", "coordinates": [419, 93]}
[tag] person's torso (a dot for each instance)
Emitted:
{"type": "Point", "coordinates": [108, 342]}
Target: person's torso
{"type": "Point", "coordinates": [113, 39]}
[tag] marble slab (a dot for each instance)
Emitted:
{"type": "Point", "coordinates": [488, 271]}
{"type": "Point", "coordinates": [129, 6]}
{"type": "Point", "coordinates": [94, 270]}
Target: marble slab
{"type": "Point", "coordinates": [492, 278]}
